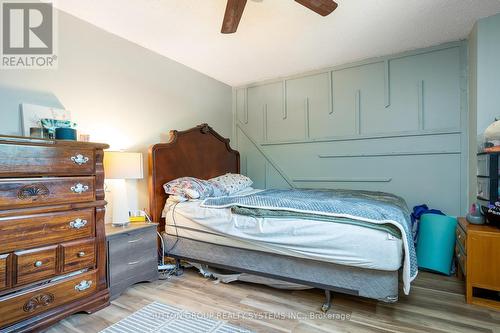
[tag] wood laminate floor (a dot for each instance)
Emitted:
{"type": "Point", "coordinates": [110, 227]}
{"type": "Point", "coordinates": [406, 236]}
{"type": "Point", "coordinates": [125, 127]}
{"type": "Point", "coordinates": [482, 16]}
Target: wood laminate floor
{"type": "Point", "coordinates": [436, 304]}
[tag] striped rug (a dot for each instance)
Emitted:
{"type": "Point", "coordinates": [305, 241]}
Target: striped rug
{"type": "Point", "coordinates": [159, 317]}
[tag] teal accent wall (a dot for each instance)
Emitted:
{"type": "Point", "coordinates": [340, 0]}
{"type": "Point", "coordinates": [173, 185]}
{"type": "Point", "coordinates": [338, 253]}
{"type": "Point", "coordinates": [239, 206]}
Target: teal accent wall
{"type": "Point", "coordinates": [395, 124]}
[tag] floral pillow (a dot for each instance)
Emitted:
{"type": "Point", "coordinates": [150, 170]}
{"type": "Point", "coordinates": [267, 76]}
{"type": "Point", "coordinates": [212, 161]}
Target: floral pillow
{"type": "Point", "coordinates": [231, 182]}
{"type": "Point", "coordinates": [190, 188]}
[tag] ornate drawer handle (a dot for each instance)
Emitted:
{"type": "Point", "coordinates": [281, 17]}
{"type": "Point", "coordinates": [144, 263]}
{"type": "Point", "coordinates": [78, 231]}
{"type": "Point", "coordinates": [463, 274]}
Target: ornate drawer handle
{"type": "Point", "coordinates": [33, 192]}
{"type": "Point", "coordinates": [83, 285]}
{"type": "Point", "coordinates": [77, 224]}
{"type": "Point", "coordinates": [38, 263]}
{"type": "Point", "coordinates": [81, 254]}
{"type": "Point", "coordinates": [38, 301]}
{"type": "Point", "coordinates": [79, 188]}
{"type": "Point", "coordinates": [79, 159]}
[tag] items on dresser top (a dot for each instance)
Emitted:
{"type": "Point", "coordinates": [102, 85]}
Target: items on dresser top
{"type": "Point", "coordinates": [132, 255]}
{"type": "Point", "coordinates": [474, 215]}
{"type": "Point", "coordinates": [477, 251]}
{"type": "Point", "coordinates": [488, 174]}
{"type": "Point", "coordinates": [63, 133]}
{"type": "Point", "coordinates": [52, 242]}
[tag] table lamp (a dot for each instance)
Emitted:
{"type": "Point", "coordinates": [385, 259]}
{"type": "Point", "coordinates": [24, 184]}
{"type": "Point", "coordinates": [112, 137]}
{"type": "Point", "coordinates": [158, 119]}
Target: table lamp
{"type": "Point", "coordinates": [118, 167]}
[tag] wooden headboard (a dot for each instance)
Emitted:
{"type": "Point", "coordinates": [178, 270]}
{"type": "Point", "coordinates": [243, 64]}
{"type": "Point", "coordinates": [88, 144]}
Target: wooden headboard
{"type": "Point", "coordinates": [197, 152]}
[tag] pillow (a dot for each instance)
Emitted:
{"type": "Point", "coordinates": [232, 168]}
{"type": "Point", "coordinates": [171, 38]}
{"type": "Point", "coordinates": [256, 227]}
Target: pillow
{"type": "Point", "coordinates": [190, 188]}
{"type": "Point", "coordinates": [231, 182]}
{"type": "Point", "coordinates": [246, 191]}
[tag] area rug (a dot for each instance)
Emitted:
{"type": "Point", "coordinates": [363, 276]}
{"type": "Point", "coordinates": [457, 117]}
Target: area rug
{"type": "Point", "coordinates": [159, 317]}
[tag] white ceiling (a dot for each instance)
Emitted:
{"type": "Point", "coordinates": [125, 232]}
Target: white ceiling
{"type": "Point", "coordinates": [280, 37]}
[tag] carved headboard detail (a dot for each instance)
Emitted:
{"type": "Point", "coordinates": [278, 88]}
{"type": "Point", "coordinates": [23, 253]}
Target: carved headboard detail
{"type": "Point", "coordinates": [197, 152]}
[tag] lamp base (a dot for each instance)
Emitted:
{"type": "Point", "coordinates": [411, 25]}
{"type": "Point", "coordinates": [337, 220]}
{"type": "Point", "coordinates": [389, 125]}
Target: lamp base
{"type": "Point", "coordinates": [117, 198]}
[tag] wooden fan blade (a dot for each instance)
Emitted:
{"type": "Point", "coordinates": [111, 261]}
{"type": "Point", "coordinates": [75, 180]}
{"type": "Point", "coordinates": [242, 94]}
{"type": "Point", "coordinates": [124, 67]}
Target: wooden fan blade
{"type": "Point", "coordinates": [232, 17]}
{"type": "Point", "coordinates": [322, 7]}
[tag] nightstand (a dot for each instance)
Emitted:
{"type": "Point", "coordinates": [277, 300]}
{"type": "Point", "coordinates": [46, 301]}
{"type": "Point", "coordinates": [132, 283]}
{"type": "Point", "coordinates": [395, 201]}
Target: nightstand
{"type": "Point", "coordinates": [132, 255]}
{"type": "Point", "coordinates": [478, 255]}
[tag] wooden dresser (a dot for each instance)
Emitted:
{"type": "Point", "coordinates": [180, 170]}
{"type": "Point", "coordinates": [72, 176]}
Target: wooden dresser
{"type": "Point", "coordinates": [478, 255]}
{"type": "Point", "coordinates": [52, 240]}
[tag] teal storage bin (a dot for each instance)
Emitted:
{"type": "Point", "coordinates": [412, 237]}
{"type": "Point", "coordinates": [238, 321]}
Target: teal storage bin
{"type": "Point", "coordinates": [436, 242]}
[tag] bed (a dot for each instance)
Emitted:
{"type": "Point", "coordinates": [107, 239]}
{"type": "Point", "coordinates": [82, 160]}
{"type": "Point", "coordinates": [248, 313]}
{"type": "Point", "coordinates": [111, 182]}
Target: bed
{"type": "Point", "coordinates": [331, 256]}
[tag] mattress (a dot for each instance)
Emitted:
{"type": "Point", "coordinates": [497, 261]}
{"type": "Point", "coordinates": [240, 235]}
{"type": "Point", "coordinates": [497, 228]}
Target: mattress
{"type": "Point", "coordinates": [337, 243]}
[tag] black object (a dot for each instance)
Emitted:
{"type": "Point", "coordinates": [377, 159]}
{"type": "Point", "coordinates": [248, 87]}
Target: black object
{"type": "Point", "coordinates": [493, 214]}
{"type": "Point", "coordinates": [488, 195]}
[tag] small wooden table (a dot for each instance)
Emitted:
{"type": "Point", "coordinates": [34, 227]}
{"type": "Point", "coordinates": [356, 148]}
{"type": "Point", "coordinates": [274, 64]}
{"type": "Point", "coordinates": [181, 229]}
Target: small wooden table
{"type": "Point", "coordinates": [132, 255]}
{"type": "Point", "coordinates": [478, 256]}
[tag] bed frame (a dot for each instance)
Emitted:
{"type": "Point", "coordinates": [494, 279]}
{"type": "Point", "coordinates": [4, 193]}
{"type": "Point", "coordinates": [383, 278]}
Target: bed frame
{"type": "Point", "coordinates": [202, 153]}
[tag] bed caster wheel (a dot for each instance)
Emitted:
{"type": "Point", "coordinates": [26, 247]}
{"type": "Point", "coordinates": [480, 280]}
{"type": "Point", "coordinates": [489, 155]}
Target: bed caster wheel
{"type": "Point", "coordinates": [328, 303]}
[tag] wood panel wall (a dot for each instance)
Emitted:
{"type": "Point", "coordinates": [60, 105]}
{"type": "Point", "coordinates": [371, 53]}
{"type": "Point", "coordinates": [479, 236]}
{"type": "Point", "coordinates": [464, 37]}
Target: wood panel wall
{"type": "Point", "coordinates": [396, 123]}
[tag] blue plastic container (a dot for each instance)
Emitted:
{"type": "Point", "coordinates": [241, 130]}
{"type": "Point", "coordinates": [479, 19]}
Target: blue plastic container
{"type": "Point", "coordinates": [436, 242]}
{"type": "Point", "coordinates": [65, 133]}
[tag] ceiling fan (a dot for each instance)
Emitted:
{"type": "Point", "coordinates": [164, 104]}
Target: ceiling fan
{"type": "Point", "coordinates": [234, 11]}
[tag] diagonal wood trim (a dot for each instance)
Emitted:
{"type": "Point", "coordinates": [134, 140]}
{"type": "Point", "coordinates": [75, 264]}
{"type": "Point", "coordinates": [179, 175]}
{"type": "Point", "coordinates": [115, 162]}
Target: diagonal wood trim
{"type": "Point", "coordinates": [268, 158]}
{"type": "Point", "coordinates": [365, 137]}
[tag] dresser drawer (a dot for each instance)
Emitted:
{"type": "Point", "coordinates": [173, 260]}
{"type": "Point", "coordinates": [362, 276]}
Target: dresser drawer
{"type": "Point", "coordinates": [14, 308]}
{"type": "Point", "coordinates": [43, 191]}
{"type": "Point", "coordinates": [36, 264]}
{"type": "Point", "coordinates": [20, 160]}
{"type": "Point", "coordinates": [462, 238]}
{"type": "Point", "coordinates": [461, 258]}
{"type": "Point", "coordinates": [133, 243]}
{"type": "Point", "coordinates": [124, 270]}
{"type": "Point", "coordinates": [79, 255]}
{"type": "Point", "coordinates": [24, 232]}
{"type": "Point", "coordinates": [3, 270]}
{"type": "Point", "coordinates": [132, 255]}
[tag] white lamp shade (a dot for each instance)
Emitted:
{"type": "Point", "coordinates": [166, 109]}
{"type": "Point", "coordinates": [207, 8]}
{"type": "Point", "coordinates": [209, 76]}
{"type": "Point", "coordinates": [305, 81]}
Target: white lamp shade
{"type": "Point", "coordinates": [122, 165]}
